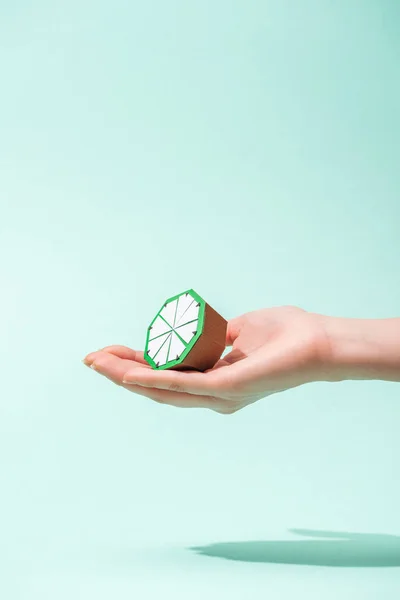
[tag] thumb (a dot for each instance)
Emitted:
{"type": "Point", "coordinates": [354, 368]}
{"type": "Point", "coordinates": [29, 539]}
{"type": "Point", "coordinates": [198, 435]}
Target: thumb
{"type": "Point", "coordinates": [233, 330]}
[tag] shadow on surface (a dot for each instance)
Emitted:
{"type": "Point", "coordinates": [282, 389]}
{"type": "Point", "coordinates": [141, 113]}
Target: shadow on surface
{"type": "Point", "coordinates": [338, 549]}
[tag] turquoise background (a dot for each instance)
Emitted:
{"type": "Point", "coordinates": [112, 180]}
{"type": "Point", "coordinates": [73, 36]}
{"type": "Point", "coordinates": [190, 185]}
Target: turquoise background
{"type": "Point", "coordinates": [249, 150]}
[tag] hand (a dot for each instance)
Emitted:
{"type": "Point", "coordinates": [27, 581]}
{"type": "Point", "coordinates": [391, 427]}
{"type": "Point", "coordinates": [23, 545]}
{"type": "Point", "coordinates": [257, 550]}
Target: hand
{"type": "Point", "coordinates": [273, 349]}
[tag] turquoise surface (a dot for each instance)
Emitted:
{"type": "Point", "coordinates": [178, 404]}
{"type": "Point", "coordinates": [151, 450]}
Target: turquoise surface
{"type": "Point", "coordinates": [249, 150]}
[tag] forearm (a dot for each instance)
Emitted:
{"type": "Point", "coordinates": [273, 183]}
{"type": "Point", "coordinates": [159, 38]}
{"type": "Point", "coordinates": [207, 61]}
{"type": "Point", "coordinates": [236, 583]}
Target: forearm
{"type": "Point", "coordinates": [363, 348]}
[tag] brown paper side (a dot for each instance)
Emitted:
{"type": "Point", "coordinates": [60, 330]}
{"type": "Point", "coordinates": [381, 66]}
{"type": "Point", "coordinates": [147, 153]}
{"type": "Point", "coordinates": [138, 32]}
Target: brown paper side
{"type": "Point", "coordinates": [210, 345]}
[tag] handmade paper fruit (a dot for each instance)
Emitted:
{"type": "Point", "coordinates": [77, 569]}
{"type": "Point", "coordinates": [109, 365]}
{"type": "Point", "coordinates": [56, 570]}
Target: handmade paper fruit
{"type": "Point", "coordinates": [185, 334]}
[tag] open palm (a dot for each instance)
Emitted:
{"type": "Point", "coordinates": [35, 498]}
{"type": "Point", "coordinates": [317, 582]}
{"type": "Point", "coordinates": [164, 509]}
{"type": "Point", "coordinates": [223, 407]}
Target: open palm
{"type": "Point", "coordinates": [273, 349]}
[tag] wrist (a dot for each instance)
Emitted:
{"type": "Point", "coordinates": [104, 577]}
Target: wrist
{"type": "Point", "coordinates": [361, 349]}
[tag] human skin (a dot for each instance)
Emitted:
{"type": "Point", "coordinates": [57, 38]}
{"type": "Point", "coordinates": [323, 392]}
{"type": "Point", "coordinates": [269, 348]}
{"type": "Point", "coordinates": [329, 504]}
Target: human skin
{"type": "Point", "coordinates": [273, 349]}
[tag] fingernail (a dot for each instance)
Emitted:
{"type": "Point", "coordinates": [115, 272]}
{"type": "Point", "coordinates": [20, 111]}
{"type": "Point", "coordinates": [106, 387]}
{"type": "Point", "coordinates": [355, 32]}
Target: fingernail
{"type": "Point", "coordinates": [129, 382]}
{"type": "Point", "coordinates": [93, 366]}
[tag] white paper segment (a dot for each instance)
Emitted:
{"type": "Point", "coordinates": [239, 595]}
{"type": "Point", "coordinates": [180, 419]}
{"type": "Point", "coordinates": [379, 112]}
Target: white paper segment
{"type": "Point", "coordinates": [187, 331]}
{"type": "Point", "coordinates": [191, 314]}
{"type": "Point", "coordinates": [183, 305]}
{"type": "Point", "coordinates": [158, 328]}
{"type": "Point", "coordinates": [154, 345]}
{"type": "Point", "coordinates": [176, 349]}
{"type": "Point", "coordinates": [168, 312]}
{"type": "Point", "coordinates": [161, 356]}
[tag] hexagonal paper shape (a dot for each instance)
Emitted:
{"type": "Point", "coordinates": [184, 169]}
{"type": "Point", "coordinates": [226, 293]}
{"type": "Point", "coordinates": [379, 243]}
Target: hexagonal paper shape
{"type": "Point", "coordinates": [186, 333]}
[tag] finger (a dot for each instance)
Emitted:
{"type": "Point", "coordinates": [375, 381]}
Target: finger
{"type": "Point", "coordinates": [112, 366]}
{"type": "Point", "coordinates": [125, 352]}
{"type": "Point", "coordinates": [215, 382]}
{"type": "Point", "coordinates": [120, 351]}
{"type": "Point", "coordinates": [179, 400]}
{"type": "Point", "coordinates": [89, 358]}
